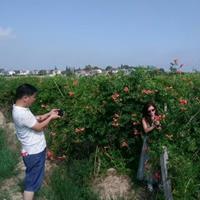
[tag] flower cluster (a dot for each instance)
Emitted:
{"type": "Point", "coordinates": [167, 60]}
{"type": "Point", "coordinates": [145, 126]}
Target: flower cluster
{"type": "Point", "coordinates": [71, 94]}
{"type": "Point", "coordinates": [183, 102]}
{"type": "Point", "coordinates": [115, 96]}
{"type": "Point", "coordinates": [126, 89]}
{"type": "Point", "coordinates": [148, 91]}
{"type": "Point", "coordinates": [159, 118]}
{"type": "Point", "coordinates": [79, 130]}
{"type": "Point", "coordinates": [51, 156]}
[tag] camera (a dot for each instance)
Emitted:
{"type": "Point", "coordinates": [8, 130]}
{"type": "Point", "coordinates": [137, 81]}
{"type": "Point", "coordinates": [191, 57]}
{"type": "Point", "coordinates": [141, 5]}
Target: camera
{"type": "Point", "coordinates": [60, 112]}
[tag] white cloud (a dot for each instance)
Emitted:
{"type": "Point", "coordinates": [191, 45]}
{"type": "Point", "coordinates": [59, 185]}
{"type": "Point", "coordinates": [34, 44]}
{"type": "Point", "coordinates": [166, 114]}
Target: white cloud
{"type": "Point", "coordinates": [6, 33]}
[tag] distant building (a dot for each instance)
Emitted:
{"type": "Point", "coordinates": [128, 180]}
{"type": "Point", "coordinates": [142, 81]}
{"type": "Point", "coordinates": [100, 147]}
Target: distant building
{"type": "Point", "coordinates": [35, 72]}
{"type": "Point", "coordinates": [82, 72]}
{"type": "Point", "coordinates": [24, 72]}
{"type": "Point", "coordinates": [54, 72]}
{"type": "Point", "coordinates": [10, 73]}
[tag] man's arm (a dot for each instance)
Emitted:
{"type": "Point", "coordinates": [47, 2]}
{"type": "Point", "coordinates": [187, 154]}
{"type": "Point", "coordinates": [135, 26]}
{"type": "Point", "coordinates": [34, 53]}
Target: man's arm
{"type": "Point", "coordinates": [41, 118]}
{"type": "Point", "coordinates": [39, 126]}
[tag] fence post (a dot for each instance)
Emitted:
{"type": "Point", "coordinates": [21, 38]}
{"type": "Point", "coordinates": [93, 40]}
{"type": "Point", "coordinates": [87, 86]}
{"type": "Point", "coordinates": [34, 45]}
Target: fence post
{"type": "Point", "coordinates": [166, 181]}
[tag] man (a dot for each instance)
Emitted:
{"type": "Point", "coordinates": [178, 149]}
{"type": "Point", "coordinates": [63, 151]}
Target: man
{"type": "Point", "coordinates": [29, 130]}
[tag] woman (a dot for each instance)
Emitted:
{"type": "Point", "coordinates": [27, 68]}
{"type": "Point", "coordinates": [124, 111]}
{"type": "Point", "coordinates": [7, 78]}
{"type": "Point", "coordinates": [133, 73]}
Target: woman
{"type": "Point", "coordinates": [150, 122]}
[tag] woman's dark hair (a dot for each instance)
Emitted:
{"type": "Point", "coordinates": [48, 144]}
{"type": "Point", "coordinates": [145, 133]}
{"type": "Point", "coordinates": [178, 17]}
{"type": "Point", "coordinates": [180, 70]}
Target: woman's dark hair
{"type": "Point", "coordinates": [145, 112]}
{"type": "Point", "coordinates": [25, 90]}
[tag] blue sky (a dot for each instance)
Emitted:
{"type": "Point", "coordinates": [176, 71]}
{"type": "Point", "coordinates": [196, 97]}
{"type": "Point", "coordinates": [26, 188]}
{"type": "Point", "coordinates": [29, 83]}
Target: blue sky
{"type": "Point", "coordinates": [46, 33]}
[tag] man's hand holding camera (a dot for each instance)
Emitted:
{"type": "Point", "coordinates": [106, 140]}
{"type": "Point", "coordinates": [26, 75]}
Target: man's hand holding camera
{"type": "Point", "coordinates": [60, 112]}
{"type": "Point", "coordinates": [56, 113]}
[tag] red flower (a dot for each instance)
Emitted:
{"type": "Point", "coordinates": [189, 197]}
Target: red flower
{"type": "Point", "coordinates": [126, 89]}
{"type": "Point", "coordinates": [115, 96]}
{"type": "Point", "coordinates": [71, 94]}
{"type": "Point", "coordinates": [79, 130]}
{"type": "Point", "coordinates": [148, 91]}
{"type": "Point", "coordinates": [50, 155]}
{"type": "Point", "coordinates": [159, 117]}
{"type": "Point", "coordinates": [183, 101]}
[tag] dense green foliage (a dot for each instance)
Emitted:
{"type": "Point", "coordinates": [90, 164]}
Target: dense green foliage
{"type": "Point", "coordinates": [70, 181]}
{"type": "Point", "coordinates": [8, 159]}
{"type": "Point", "coordinates": [102, 118]}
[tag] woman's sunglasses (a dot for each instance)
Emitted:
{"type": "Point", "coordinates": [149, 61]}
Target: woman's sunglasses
{"type": "Point", "coordinates": [152, 110]}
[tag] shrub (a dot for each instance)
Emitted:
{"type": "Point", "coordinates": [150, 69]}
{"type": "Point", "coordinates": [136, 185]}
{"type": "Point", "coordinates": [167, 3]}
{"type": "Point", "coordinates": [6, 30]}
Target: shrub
{"type": "Point", "coordinates": [104, 112]}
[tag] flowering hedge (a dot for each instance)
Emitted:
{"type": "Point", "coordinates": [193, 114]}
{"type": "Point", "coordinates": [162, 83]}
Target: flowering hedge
{"type": "Point", "coordinates": [104, 113]}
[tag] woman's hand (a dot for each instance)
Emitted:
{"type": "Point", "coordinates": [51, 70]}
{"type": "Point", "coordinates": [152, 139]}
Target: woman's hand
{"type": "Point", "coordinates": [157, 125]}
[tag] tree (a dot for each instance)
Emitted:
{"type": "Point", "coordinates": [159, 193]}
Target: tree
{"type": "Point", "coordinates": [42, 72]}
{"type": "Point", "coordinates": [88, 67]}
{"type": "Point", "coordinates": [69, 71]}
{"type": "Point", "coordinates": [109, 68]}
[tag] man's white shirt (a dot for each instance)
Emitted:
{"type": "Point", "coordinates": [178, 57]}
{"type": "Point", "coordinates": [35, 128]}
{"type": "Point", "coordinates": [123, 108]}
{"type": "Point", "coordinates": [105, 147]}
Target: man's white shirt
{"type": "Point", "coordinates": [32, 142]}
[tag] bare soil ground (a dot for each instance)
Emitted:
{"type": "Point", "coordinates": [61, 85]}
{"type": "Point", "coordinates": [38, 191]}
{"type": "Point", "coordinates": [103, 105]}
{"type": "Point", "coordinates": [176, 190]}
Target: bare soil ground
{"type": "Point", "coordinates": [114, 187]}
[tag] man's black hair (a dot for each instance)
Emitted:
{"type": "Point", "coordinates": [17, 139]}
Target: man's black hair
{"type": "Point", "coordinates": [25, 90]}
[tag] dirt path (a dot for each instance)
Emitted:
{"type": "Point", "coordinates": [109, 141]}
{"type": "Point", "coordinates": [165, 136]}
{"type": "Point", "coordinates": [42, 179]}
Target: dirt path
{"type": "Point", "coordinates": [114, 186]}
